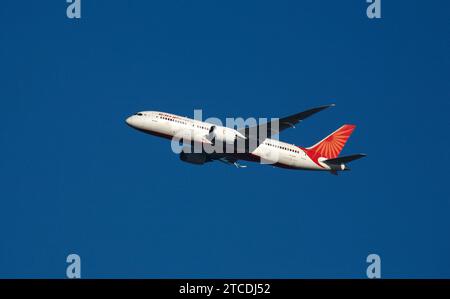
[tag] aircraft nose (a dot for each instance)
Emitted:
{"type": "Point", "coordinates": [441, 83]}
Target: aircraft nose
{"type": "Point", "coordinates": [130, 121]}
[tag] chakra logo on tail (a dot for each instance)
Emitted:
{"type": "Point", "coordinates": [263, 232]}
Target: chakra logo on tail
{"type": "Point", "coordinates": [332, 145]}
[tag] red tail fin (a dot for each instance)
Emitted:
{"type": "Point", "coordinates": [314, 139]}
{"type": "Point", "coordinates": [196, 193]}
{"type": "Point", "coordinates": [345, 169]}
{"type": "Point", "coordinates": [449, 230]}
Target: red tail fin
{"type": "Point", "coordinates": [332, 145]}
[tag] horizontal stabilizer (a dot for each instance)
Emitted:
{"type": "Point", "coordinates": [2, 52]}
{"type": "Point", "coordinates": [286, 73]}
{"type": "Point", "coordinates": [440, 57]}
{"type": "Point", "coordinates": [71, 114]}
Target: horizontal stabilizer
{"type": "Point", "coordinates": [344, 159]}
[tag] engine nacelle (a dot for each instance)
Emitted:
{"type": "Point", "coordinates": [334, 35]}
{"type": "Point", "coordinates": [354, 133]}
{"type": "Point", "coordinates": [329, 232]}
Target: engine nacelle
{"type": "Point", "coordinates": [223, 135]}
{"type": "Point", "coordinates": [193, 158]}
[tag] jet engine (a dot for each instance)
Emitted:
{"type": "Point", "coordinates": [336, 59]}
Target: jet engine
{"type": "Point", "coordinates": [193, 158]}
{"type": "Point", "coordinates": [224, 135]}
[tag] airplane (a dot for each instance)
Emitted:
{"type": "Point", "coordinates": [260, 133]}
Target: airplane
{"type": "Point", "coordinates": [322, 156]}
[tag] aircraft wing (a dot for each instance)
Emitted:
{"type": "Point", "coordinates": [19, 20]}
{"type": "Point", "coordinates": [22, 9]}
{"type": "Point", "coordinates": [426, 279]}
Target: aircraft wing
{"type": "Point", "coordinates": [283, 123]}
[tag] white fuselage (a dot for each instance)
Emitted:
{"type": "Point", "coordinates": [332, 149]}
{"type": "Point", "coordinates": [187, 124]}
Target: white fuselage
{"type": "Point", "coordinates": [271, 151]}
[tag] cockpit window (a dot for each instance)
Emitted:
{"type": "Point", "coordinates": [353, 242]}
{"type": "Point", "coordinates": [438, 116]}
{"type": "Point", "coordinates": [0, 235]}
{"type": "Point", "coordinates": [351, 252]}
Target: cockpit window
{"type": "Point", "coordinates": [140, 114]}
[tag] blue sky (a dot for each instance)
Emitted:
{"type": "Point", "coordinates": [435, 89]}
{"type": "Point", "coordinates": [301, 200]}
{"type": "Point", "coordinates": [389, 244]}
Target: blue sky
{"type": "Point", "coordinates": [75, 179]}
